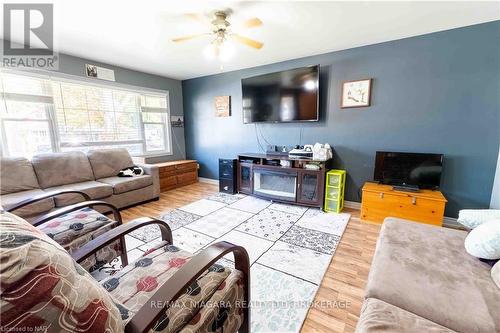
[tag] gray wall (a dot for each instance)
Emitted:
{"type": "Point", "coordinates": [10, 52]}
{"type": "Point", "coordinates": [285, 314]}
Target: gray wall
{"type": "Point", "coordinates": [437, 93]}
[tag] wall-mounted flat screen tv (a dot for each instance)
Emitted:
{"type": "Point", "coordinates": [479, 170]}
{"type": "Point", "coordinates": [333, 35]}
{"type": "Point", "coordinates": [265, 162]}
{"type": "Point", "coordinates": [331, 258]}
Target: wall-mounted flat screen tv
{"type": "Point", "coordinates": [281, 97]}
{"type": "Point", "coordinates": [414, 169]}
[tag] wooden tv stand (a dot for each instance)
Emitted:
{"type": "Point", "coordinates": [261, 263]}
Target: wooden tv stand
{"type": "Point", "coordinates": [258, 176]}
{"type": "Point", "coordinates": [381, 201]}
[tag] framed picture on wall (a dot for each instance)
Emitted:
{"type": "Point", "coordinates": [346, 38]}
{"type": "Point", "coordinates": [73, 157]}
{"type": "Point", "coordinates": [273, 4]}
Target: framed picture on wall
{"type": "Point", "coordinates": [177, 121]}
{"type": "Point", "coordinates": [222, 106]}
{"type": "Point", "coordinates": [356, 94]}
{"type": "Point", "coordinates": [97, 72]}
{"type": "Point", "coordinates": [91, 70]}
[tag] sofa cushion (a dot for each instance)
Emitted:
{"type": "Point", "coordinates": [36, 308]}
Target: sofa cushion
{"type": "Point", "coordinates": [56, 169]}
{"type": "Point", "coordinates": [379, 317]}
{"type": "Point", "coordinates": [126, 184]}
{"type": "Point", "coordinates": [17, 175]}
{"type": "Point", "coordinates": [36, 208]}
{"type": "Point", "coordinates": [426, 270]}
{"type": "Point", "coordinates": [43, 287]}
{"type": "Point", "coordinates": [108, 162]}
{"type": "Point", "coordinates": [96, 190]}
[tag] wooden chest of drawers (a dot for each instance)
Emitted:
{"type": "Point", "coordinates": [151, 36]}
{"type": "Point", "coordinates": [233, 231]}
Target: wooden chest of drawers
{"type": "Point", "coordinates": [381, 201]}
{"type": "Point", "coordinates": [177, 173]}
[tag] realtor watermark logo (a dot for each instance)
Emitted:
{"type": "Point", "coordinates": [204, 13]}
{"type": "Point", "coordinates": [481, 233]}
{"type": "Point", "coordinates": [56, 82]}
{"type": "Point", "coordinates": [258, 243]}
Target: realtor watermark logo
{"type": "Point", "coordinates": [28, 39]}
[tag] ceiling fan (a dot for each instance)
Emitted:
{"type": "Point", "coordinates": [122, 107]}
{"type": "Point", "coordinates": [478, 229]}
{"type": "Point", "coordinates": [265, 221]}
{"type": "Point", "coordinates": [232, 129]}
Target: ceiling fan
{"type": "Point", "coordinates": [221, 32]}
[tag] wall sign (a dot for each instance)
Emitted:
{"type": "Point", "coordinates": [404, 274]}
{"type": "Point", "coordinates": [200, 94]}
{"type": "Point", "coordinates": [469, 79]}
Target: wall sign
{"type": "Point", "coordinates": [356, 94]}
{"type": "Point", "coordinates": [223, 106]}
{"type": "Point", "coordinates": [99, 72]}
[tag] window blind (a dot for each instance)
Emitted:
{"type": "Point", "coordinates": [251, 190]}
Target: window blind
{"type": "Point", "coordinates": [46, 114]}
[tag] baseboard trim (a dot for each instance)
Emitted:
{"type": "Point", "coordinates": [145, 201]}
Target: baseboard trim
{"type": "Point", "coordinates": [208, 180]}
{"type": "Point", "coordinates": [352, 204]}
{"type": "Point", "coordinates": [451, 222]}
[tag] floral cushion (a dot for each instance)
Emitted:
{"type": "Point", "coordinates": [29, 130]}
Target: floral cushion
{"type": "Point", "coordinates": [43, 289]}
{"type": "Point", "coordinates": [136, 283]}
{"type": "Point", "coordinates": [228, 316]}
{"type": "Point", "coordinates": [77, 228]}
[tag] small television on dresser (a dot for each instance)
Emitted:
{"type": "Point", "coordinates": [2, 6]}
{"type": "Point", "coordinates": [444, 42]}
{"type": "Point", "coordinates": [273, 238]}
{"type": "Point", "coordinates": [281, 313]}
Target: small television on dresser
{"type": "Point", "coordinates": [282, 97]}
{"type": "Point", "coordinates": [422, 171]}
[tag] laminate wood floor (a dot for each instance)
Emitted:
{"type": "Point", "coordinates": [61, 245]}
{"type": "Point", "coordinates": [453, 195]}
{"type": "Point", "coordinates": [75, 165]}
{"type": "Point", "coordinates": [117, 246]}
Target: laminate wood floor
{"type": "Point", "coordinates": [340, 296]}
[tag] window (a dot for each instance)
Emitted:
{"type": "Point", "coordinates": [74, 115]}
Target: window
{"type": "Point", "coordinates": [25, 115]}
{"type": "Point", "coordinates": [41, 114]}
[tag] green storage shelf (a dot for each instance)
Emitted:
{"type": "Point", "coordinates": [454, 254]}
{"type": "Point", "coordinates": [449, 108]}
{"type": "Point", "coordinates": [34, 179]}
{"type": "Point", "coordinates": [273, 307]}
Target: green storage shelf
{"type": "Point", "coordinates": [334, 193]}
{"type": "Point", "coordinates": [334, 180]}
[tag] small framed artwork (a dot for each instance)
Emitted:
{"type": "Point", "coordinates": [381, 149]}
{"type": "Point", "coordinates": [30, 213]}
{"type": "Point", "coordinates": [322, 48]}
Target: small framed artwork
{"type": "Point", "coordinates": [356, 94]}
{"type": "Point", "coordinates": [177, 121]}
{"type": "Point", "coordinates": [91, 70]}
{"type": "Point", "coordinates": [97, 72]}
{"type": "Point", "coordinates": [222, 106]}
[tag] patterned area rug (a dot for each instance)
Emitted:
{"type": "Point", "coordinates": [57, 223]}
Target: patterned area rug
{"type": "Point", "coordinates": [290, 248]}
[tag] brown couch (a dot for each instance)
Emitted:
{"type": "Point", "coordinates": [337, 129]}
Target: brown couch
{"type": "Point", "coordinates": [94, 173]}
{"type": "Point", "coordinates": [423, 280]}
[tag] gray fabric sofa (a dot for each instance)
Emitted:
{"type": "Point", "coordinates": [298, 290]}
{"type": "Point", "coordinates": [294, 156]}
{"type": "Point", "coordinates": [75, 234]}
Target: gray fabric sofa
{"type": "Point", "coordinates": [423, 280]}
{"type": "Point", "coordinates": [94, 173]}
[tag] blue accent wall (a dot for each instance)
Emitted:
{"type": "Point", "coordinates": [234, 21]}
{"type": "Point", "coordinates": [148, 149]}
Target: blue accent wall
{"type": "Point", "coordinates": [436, 93]}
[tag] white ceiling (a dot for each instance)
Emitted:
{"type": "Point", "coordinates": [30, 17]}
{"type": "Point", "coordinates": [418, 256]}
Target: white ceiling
{"type": "Point", "coordinates": [136, 34]}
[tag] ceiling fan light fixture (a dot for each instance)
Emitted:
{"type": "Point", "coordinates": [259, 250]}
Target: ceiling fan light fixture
{"type": "Point", "coordinates": [222, 47]}
{"type": "Point", "coordinates": [222, 51]}
{"type": "Point", "coordinates": [210, 51]}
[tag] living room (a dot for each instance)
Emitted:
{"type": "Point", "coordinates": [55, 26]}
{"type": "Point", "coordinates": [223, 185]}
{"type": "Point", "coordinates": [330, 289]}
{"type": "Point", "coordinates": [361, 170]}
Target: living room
{"type": "Point", "coordinates": [250, 166]}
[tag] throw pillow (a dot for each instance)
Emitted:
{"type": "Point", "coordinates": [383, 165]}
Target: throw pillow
{"type": "Point", "coordinates": [471, 218]}
{"type": "Point", "coordinates": [484, 240]}
{"type": "Point", "coordinates": [495, 274]}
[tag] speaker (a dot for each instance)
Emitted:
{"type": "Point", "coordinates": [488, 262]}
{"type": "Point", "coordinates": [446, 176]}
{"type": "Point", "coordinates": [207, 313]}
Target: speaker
{"type": "Point", "coordinates": [227, 175]}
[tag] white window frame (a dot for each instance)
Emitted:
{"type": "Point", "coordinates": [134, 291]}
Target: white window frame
{"type": "Point", "coordinates": [72, 79]}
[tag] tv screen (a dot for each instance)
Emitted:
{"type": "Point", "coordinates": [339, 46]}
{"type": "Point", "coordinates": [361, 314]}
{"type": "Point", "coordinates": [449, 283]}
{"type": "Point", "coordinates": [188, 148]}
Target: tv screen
{"type": "Point", "coordinates": [416, 169]}
{"type": "Point", "coordinates": [287, 96]}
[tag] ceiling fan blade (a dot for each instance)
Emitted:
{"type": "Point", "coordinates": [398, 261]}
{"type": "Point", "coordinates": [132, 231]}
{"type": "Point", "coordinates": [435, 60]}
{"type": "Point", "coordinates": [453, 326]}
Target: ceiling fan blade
{"type": "Point", "coordinates": [249, 42]}
{"type": "Point", "coordinates": [252, 23]}
{"type": "Point", "coordinates": [198, 17]}
{"type": "Point", "coordinates": [184, 38]}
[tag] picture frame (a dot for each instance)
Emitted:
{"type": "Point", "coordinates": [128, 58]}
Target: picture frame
{"type": "Point", "coordinates": [177, 121]}
{"type": "Point", "coordinates": [222, 106]}
{"type": "Point", "coordinates": [356, 94]}
{"type": "Point", "coordinates": [96, 72]}
{"type": "Point", "coordinates": [91, 70]}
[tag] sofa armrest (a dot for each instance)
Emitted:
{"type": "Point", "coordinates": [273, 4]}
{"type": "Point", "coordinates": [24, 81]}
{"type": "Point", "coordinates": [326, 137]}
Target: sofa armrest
{"type": "Point", "coordinates": [149, 169]}
{"type": "Point", "coordinates": [153, 171]}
